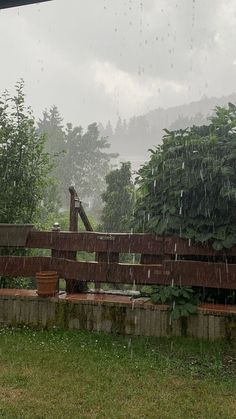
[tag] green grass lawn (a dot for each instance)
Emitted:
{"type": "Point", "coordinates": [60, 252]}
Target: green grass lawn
{"type": "Point", "coordinates": [56, 374]}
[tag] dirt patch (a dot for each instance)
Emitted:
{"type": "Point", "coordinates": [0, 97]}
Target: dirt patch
{"type": "Point", "coordinates": [8, 394]}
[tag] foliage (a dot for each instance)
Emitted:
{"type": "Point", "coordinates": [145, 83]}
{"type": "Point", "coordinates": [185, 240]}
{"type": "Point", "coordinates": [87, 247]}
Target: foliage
{"type": "Point", "coordinates": [93, 164]}
{"type": "Point", "coordinates": [24, 165]}
{"type": "Point", "coordinates": [182, 300]}
{"type": "Point", "coordinates": [49, 206]}
{"type": "Point", "coordinates": [81, 157]}
{"type": "Point", "coordinates": [119, 200]}
{"type": "Point", "coordinates": [188, 187]}
{"type": "Point", "coordinates": [51, 126]}
{"type": "Point", "coordinates": [62, 218]}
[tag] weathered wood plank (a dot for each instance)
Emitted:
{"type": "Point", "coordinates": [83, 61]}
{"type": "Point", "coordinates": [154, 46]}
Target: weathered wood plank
{"type": "Point", "coordinates": [82, 271]}
{"type": "Point", "coordinates": [177, 246]}
{"type": "Point", "coordinates": [203, 274]}
{"type": "Point", "coordinates": [215, 275]}
{"type": "Point", "coordinates": [147, 244]}
{"type": "Point", "coordinates": [96, 242]}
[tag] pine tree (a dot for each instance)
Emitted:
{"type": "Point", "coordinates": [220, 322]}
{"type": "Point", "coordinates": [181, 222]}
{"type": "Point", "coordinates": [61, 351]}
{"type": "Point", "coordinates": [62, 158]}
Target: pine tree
{"type": "Point", "coordinates": [51, 126]}
{"type": "Point", "coordinates": [92, 165]}
{"type": "Point", "coordinates": [108, 132]}
{"type": "Point", "coordinates": [118, 199]}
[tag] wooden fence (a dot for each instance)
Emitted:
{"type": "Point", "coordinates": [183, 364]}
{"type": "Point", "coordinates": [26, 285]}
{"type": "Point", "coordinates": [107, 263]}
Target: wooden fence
{"type": "Point", "coordinates": [160, 261]}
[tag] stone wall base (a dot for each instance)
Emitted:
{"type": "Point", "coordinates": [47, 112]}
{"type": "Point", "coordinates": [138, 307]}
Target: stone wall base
{"type": "Point", "coordinates": [113, 315]}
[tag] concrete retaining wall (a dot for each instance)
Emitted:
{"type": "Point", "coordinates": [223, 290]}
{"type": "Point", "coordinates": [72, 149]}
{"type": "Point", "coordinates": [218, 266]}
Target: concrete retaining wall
{"type": "Point", "coordinates": [114, 317]}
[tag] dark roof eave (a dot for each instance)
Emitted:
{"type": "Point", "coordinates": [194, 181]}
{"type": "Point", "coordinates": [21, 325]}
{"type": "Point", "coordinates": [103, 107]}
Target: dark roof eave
{"type": "Point", "coordinates": [5, 4]}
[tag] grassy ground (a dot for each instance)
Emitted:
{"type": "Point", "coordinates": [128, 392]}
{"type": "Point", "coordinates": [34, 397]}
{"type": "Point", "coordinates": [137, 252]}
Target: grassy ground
{"type": "Point", "coordinates": [55, 374]}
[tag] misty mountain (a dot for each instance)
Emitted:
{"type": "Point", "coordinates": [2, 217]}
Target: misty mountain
{"type": "Point", "coordinates": [132, 138]}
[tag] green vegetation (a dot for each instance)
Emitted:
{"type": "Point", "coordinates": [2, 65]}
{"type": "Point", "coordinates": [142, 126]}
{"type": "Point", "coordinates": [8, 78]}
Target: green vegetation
{"type": "Point", "coordinates": [81, 157]}
{"type": "Point", "coordinates": [188, 187]}
{"type": "Point", "coordinates": [118, 199]}
{"type": "Point", "coordinates": [50, 374]}
{"type": "Point", "coordinates": [25, 170]}
{"type": "Point", "coordinates": [182, 300]}
{"type": "Point", "coordinates": [24, 165]}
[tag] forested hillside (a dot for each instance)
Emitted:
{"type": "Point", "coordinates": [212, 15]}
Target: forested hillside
{"type": "Point", "coordinates": [132, 138]}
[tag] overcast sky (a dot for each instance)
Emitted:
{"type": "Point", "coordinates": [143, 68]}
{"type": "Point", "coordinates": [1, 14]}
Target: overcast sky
{"type": "Point", "coordinates": [97, 59]}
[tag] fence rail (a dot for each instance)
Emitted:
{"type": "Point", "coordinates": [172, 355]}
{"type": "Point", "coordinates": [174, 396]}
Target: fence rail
{"type": "Point", "coordinates": [122, 243]}
{"type": "Point", "coordinates": [159, 262]}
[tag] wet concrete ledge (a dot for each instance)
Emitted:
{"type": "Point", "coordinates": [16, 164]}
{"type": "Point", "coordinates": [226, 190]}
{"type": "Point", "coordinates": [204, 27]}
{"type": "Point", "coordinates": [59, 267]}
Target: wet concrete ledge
{"type": "Point", "coordinates": [113, 314]}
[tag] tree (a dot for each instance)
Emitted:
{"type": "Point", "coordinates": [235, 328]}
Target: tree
{"type": "Point", "coordinates": [24, 164]}
{"type": "Point", "coordinates": [69, 172]}
{"type": "Point", "coordinates": [80, 157]}
{"type": "Point", "coordinates": [108, 130]}
{"type": "Point", "coordinates": [118, 199]}
{"type": "Point", "coordinates": [24, 167]}
{"type": "Point", "coordinates": [188, 187]}
{"type": "Point", "coordinates": [119, 129]}
{"type": "Point", "coordinates": [185, 121]}
{"type": "Point", "coordinates": [92, 163]}
{"type": "Point", "coordinates": [51, 126]}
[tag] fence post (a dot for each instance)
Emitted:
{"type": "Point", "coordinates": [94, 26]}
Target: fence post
{"type": "Point", "coordinates": [72, 285]}
{"type": "Point", "coordinates": [56, 253]}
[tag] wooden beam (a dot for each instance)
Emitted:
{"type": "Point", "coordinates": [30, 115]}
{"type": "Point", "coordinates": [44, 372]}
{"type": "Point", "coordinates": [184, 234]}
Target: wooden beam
{"type": "Point", "coordinates": [202, 274]}
{"type": "Point", "coordinates": [96, 242]}
{"type": "Point", "coordinates": [73, 212]}
{"type": "Point", "coordinates": [147, 244]}
{"type": "Point", "coordinates": [11, 266]}
{"type": "Point", "coordinates": [183, 247]}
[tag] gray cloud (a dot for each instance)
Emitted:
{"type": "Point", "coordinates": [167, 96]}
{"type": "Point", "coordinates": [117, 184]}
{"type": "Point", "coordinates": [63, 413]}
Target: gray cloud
{"type": "Point", "coordinates": [97, 59]}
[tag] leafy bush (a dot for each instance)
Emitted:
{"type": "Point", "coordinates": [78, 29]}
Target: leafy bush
{"type": "Point", "coordinates": [188, 187]}
{"type": "Point", "coordinates": [182, 300]}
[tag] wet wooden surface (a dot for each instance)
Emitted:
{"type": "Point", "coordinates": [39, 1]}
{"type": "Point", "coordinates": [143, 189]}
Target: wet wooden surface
{"type": "Point", "coordinates": [159, 259]}
{"type": "Point", "coordinates": [111, 298]}
{"type": "Point", "coordinates": [203, 274]}
{"type": "Point", "coordinates": [83, 271]}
